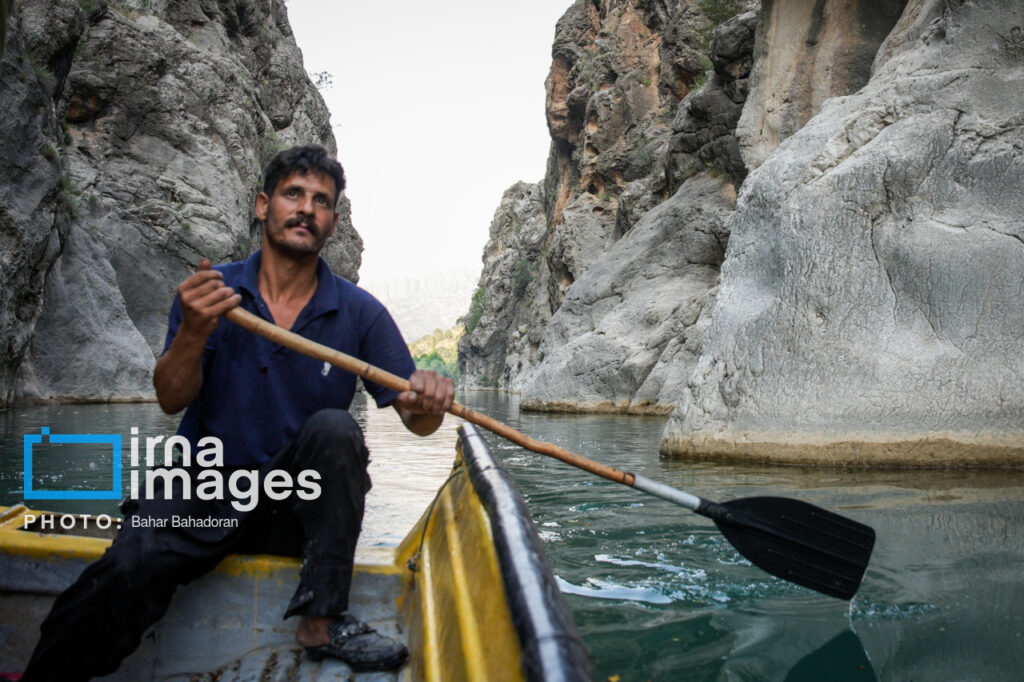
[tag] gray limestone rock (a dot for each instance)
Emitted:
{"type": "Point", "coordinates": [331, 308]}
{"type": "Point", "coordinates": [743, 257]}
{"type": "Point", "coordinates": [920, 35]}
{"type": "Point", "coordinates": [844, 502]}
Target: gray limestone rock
{"type": "Point", "coordinates": [627, 335]}
{"type": "Point", "coordinates": [870, 310]}
{"type": "Point", "coordinates": [344, 251]}
{"type": "Point", "coordinates": [510, 304]}
{"type": "Point", "coordinates": [165, 114]}
{"type": "Point", "coordinates": [704, 129]}
{"type": "Point", "coordinates": [63, 364]}
{"type": "Point", "coordinates": [619, 71]}
{"type": "Point", "coordinates": [35, 201]}
{"type": "Point", "coordinates": [808, 51]}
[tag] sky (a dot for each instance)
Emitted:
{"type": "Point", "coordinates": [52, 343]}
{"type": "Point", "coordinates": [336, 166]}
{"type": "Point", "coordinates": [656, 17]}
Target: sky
{"type": "Point", "coordinates": [437, 108]}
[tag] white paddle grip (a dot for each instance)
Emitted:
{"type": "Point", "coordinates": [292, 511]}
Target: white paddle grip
{"type": "Point", "coordinates": [666, 492]}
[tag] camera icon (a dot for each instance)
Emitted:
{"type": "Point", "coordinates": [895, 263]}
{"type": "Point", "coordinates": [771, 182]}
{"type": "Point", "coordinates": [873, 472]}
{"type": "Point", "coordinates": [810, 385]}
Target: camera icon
{"type": "Point", "coordinates": [112, 439]}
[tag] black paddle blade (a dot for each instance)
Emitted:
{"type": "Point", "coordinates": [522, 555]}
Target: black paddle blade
{"type": "Point", "coordinates": [797, 541]}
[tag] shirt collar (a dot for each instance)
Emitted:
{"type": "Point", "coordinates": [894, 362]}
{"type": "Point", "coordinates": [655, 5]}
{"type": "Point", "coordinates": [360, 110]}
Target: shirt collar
{"type": "Point", "coordinates": [325, 298]}
{"type": "Point", "coordinates": [250, 275]}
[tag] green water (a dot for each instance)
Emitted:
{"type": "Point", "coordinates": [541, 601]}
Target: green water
{"type": "Point", "coordinates": [657, 593]}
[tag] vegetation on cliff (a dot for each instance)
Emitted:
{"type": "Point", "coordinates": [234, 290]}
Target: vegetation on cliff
{"type": "Point", "coordinates": [439, 351]}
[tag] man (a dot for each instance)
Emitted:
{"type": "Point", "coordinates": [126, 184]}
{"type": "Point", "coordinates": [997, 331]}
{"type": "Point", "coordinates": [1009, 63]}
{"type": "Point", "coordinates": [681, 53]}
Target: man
{"type": "Point", "coordinates": [273, 410]}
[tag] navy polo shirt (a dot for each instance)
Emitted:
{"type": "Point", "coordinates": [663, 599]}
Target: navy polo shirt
{"type": "Point", "coordinates": [256, 395]}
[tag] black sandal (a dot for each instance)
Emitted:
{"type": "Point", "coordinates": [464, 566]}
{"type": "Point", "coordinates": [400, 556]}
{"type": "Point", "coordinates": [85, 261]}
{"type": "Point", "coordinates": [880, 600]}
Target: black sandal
{"type": "Point", "coordinates": [360, 646]}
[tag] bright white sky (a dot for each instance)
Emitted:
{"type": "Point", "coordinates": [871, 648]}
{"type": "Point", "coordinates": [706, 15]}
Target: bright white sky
{"type": "Point", "coordinates": [437, 107]}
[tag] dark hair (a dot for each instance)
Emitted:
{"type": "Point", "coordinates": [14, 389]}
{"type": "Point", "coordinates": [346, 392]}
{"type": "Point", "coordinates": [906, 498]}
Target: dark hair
{"type": "Point", "coordinates": [309, 159]}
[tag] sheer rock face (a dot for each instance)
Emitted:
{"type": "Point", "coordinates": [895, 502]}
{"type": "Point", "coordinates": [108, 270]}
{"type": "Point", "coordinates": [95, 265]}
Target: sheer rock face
{"type": "Point", "coordinates": [628, 334]}
{"type": "Point", "coordinates": [870, 308]}
{"type": "Point", "coordinates": [620, 69]}
{"type": "Point", "coordinates": [704, 130]}
{"type": "Point", "coordinates": [510, 308]}
{"type": "Point", "coordinates": [808, 51]}
{"type": "Point", "coordinates": [34, 203]}
{"type": "Point", "coordinates": [162, 115]}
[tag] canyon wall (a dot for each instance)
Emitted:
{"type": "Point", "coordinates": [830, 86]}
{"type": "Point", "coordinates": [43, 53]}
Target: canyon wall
{"type": "Point", "coordinates": [620, 71]}
{"type": "Point", "coordinates": [870, 306]}
{"type": "Point", "coordinates": [140, 136]}
{"type": "Point", "coordinates": [821, 261]}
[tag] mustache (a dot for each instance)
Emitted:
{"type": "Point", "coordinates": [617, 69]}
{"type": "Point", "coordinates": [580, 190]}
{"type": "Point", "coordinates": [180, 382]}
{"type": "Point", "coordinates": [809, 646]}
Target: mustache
{"type": "Point", "coordinates": [304, 222]}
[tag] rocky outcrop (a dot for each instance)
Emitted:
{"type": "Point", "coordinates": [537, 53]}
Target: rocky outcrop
{"type": "Point", "coordinates": [870, 308]}
{"type": "Point", "coordinates": [620, 69]}
{"type": "Point", "coordinates": [161, 118]}
{"type": "Point", "coordinates": [628, 334]}
{"type": "Point", "coordinates": [704, 130]}
{"type": "Point", "coordinates": [511, 306]}
{"type": "Point", "coordinates": [35, 200]}
{"type": "Point", "coordinates": [807, 52]}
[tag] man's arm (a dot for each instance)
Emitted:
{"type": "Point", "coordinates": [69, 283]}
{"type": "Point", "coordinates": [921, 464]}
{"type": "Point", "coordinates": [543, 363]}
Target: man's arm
{"type": "Point", "coordinates": [422, 409]}
{"type": "Point", "coordinates": [179, 373]}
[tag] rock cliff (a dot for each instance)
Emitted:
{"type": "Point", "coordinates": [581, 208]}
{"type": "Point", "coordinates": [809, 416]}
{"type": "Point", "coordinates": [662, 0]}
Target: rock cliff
{"type": "Point", "coordinates": [870, 306]}
{"type": "Point", "coordinates": [822, 261]}
{"type": "Point", "coordinates": [511, 306]}
{"type": "Point", "coordinates": [628, 333]}
{"type": "Point", "coordinates": [620, 69]}
{"type": "Point", "coordinates": [142, 131]}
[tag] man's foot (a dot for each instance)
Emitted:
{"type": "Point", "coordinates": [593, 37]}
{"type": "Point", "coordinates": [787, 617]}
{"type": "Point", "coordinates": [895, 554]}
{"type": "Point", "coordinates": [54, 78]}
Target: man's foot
{"type": "Point", "coordinates": [359, 645]}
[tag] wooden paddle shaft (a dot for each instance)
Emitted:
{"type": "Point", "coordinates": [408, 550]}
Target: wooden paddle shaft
{"type": "Point", "coordinates": [301, 344]}
{"type": "Point", "coordinates": [790, 539]}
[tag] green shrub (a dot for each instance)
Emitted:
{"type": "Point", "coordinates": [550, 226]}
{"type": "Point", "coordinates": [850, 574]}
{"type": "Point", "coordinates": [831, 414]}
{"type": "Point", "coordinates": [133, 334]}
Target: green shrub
{"type": "Point", "coordinates": [68, 191]}
{"type": "Point", "coordinates": [481, 300]}
{"type": "Point", "coordinates": [719, 11]}
{"type": "Point", "coordinates": [46, 78]}
{"type": "Point", "coordinates": [522, 275]}
{"type": "Point", "coordinates": [270, 145]}
{"type": "Point", "coordinates": [434, 361]}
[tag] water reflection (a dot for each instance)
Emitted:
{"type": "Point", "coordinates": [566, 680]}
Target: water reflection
{"type": "Point", "coordinates": [659, 594]}
{"type": "Point", "coordinates": [841, 659]}
{"type": "Point", "coordinates": [406, 470]}
{"type": "Point", "coordinates": [72, 467]}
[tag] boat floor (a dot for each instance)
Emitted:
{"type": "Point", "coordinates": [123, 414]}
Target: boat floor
{"type": "Point", "coordinates": [271, 654]}
{"type": "Point", "coordinates": [279, 664]}
{"type": "Point", "coordinates": [227, 626]}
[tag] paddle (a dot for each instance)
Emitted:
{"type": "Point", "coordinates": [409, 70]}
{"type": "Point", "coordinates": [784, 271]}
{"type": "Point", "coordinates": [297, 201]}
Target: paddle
{"type": "Point", "coordinates": [790, 539]}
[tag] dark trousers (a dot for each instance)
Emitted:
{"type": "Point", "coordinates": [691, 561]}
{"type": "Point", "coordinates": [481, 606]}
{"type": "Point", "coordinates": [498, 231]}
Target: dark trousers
{"type": "Point", "coordinates": [101, 618]}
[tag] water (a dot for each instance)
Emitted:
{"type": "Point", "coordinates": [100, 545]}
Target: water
{"type": "Point", "coordinates": [655, 590]}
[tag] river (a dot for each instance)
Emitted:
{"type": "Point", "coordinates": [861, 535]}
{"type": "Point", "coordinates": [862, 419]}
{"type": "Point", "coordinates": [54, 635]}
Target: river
{"type": "Point", "coordinates": [657, 593]}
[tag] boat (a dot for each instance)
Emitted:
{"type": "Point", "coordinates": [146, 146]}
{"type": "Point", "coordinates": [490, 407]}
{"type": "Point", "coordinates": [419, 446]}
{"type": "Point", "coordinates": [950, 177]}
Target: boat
{"type": "Point", "coordinates": [469, 590]}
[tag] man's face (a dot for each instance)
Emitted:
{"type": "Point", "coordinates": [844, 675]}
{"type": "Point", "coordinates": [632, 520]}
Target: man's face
{"type": "Point", "coordinates": [299, 218]}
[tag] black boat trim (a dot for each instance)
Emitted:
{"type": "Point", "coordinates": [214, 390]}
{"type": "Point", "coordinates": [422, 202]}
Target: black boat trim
{"type": "Point", "coordinates": [552, 648]}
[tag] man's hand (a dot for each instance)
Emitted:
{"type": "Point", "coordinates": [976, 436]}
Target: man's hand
{"type": "Point", "coordinates": [179, 374]}
{"type": "Point", "coordinates": [422, 408]}
{"type": "Point", "coordinates": [204, 298]}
